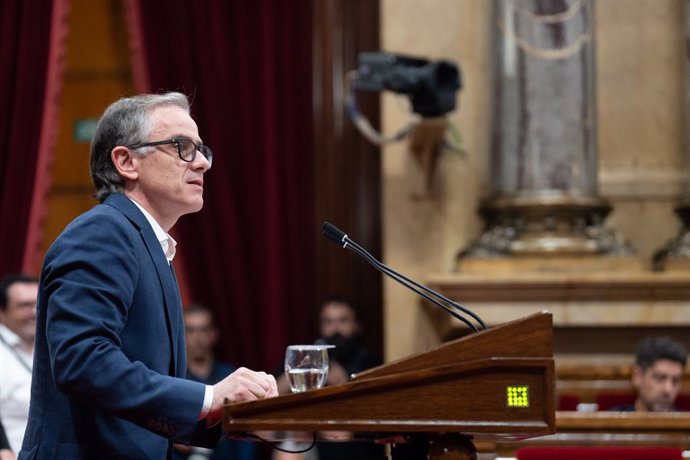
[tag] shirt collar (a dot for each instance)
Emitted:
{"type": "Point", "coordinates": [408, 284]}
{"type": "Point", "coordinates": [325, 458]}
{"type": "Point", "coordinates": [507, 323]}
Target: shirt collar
{"type": "Point", "coordinates": [166, 241]}
{"type": "Point", "coordinates": [10, 337]}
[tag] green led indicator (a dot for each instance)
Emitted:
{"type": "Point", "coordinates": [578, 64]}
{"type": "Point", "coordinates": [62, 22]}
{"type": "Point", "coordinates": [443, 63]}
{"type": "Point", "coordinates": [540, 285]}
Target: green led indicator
{"type": "Point", "coordinates": [517, 395]}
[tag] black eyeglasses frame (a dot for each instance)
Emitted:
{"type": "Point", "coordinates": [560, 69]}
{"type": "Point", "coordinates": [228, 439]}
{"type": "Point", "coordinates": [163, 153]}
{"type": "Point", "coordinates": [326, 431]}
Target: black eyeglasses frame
{"type": "Point", "coordinates": [203, 149]}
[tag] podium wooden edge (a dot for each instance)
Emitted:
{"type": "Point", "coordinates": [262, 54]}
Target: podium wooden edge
{"type": "Point", "coordinates": [462, 386]}
{"type": "Point", "coordinates": [536, 322]}
{"type": "Point", "coordinates": [386, 381]}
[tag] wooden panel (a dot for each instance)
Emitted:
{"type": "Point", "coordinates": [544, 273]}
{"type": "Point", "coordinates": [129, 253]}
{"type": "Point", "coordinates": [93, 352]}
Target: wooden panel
{"type": "Point", "coordinates": [468, 398]}
{"type": "Point", "coordinates": [539, 287]}
{"type": "Point", "coordinates": [63, 207]}
{"type": "Point", "coordinates": [618, 341]}
{"type": "Point", "coordinates": [607, 428]}
{"type": "Point", "coordinates": [97, 41]}
{"type": "Point", "coordinates": [347, 166]}
{"type": "Point", "coordinates": [612, 310]}
{"type": "Point", "coordinates": [82, 99]}
{"type": "Point", "coordinates": [97, 72]}
{"type": "Point", "coordinates": [621, 422]}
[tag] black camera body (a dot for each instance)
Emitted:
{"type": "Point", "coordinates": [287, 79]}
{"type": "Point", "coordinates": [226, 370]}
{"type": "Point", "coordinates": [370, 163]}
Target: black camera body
{"type": "Point", "coordinates": [431, 86]}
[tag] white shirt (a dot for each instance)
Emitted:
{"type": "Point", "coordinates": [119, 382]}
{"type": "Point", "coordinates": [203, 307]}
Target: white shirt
{"type": "Point", "coordinates": [166, 241]}
{"type": "Point", "coordinates": [168, 245]}
{"type": "Point", "coordinates": [15, 386]}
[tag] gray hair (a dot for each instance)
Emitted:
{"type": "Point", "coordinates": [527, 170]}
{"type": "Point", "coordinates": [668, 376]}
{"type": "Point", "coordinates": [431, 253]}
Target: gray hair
{"type": "Point", "coordinates": [125, 122]}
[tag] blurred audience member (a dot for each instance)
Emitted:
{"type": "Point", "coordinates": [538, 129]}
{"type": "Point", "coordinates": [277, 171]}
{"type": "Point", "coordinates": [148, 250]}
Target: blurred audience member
{"type": "Point", "coordinates": [339, 325]}
{"type": "Point", "coordinates": [18, 295]}
{"type": "Point", "coordinates": [657, 375]}
{"type": "Point", "coordinates": [201, 336]}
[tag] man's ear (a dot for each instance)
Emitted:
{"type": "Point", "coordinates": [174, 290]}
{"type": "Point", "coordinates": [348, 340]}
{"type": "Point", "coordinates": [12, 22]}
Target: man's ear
{"type": "Point", "coordinates": [125, 162]}
{"type": "Point", "coordinates": [637, 373]}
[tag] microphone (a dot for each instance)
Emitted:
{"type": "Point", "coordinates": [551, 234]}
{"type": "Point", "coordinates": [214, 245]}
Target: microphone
{"type": "Point", "coordinates": [334, 234]}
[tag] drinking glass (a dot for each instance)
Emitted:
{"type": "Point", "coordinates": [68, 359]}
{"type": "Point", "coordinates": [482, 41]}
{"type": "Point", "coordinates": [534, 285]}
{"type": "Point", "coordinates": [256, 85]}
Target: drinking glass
{"type": "Point", "coordinates": [306, 366]}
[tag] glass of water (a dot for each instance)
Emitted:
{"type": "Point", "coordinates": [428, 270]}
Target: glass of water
{"type": "Point", "coordinates": [306, 366]}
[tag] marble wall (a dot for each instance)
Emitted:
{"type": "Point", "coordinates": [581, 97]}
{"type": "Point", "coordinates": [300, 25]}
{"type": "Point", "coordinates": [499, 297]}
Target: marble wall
{"type": "Point", "coordinates": [640, 58]}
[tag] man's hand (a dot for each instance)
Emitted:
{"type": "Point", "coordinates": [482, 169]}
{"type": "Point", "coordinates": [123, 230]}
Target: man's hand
{"type": "Point", "coordinates": [6, 454]}
{"type": "Point", "coordinates": [336, 374]}
{"type": "Point", "coordinates": [241, 386]}
{"type": "Point", "coordinates": [181, 448]}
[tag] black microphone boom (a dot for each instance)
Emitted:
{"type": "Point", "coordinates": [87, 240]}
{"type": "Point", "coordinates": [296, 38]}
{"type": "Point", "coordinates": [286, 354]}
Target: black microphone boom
{"type": "Point", "coordinates": [333, 233]}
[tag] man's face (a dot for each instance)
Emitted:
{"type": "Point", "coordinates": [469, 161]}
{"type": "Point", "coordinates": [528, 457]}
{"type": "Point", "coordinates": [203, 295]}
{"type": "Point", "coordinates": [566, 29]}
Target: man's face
{"type": "Point", "coordinates": [658, 385]}
{"type": "Point", "coordinates": [338, 318]}
{"type": "Point", "coordinates": [167, 186]}
{"type": "Point", "coordinates": [200, 334]}
{"type": "Point", "coordinates": [20, 314]}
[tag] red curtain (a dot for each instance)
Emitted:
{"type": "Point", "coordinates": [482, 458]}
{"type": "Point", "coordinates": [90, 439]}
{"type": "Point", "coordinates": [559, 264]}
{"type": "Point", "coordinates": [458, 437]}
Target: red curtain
{"type": "Point", "coordinates": [32, 40]}
{"type": "Point", "coordinates": [249, 255]}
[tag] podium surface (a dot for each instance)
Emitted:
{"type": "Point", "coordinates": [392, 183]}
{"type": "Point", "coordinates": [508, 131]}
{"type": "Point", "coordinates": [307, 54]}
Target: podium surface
{"type": "Point", "coordinates": [493, 384]}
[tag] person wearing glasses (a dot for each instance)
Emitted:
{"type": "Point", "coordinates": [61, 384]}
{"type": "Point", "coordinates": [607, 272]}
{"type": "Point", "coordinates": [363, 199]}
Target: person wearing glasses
{"type": "Point", "coordinates": [109, 359]}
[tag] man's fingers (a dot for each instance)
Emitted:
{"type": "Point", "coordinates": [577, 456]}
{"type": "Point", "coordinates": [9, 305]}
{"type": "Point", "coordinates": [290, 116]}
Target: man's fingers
{"type": "Point", "coordinates": [248, 385]}
{"type": "Point", "coordinates": [259, 383]}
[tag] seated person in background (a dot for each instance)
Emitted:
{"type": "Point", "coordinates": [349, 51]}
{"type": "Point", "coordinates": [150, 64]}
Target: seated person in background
{"type": "Point", "coordinates": [339, 325]}
{"type": "Point", "coordinates": [18, 296]}
{"type": "Point", "coordinates": [657, 375]}
{"type": "Point", "coordinates": [201, 336]}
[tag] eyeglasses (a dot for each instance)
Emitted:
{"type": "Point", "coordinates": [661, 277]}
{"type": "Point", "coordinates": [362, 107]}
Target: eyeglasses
{"type": "Point", "coordinates": [186, 148]}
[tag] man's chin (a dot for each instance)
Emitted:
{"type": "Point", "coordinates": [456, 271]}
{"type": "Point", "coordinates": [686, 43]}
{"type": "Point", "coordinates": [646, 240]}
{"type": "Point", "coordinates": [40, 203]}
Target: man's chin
{"type": "Point", "coordinates": [662, 407]}
{"type": "Point", "coordinates": [193, 207]}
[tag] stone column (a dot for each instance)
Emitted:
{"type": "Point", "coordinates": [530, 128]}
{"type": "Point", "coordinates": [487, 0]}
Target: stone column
{"type": "Point", "coordinates": [675, 255]}
{"type": "Point", "coordinates": [544, 198]}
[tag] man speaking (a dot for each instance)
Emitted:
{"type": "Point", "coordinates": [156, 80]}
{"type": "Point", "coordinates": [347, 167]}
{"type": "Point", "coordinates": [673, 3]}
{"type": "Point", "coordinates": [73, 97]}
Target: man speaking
{"type": "Point", "coordinates": [110, 351]}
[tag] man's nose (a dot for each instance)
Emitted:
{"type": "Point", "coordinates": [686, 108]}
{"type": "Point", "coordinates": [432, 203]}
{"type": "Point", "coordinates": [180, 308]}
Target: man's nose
{"type": "Point", "coordinates": [201, 162]}
{"type": "Point", "coordinates": [668, 386]}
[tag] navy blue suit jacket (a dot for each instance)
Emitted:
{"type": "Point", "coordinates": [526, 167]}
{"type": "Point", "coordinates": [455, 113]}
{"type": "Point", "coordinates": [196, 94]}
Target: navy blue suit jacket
{"type": "Point", "coordinates": [110, 357]}
{"type": "Point", "coordinates": [229, 449]}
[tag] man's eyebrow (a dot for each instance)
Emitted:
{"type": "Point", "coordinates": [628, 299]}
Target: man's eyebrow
{"type": "Point", "coordinates": [184, 136]}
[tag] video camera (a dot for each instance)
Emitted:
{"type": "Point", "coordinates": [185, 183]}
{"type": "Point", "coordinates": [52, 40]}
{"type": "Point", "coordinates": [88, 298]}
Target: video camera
{"type": "Point", "coordinates": [431, 86]}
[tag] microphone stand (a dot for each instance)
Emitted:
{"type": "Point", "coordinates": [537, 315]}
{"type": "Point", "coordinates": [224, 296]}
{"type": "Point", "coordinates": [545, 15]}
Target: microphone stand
{"type": "Point", "coordinates": [336, 235]}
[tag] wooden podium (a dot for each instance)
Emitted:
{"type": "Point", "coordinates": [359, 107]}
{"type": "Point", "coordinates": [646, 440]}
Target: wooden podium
{"type": "Point", "coordinates": [490, 385]}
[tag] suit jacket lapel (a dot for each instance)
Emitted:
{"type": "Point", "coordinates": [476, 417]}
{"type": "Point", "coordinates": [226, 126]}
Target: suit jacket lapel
{"type": "Point", "coordinates": [176, 319]}
{"type": "Point", "coordinates": [164, 270]}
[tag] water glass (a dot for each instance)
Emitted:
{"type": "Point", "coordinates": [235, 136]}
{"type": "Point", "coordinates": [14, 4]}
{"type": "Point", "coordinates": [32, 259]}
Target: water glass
{"type": "Point", "coordinates": [306, 366]}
